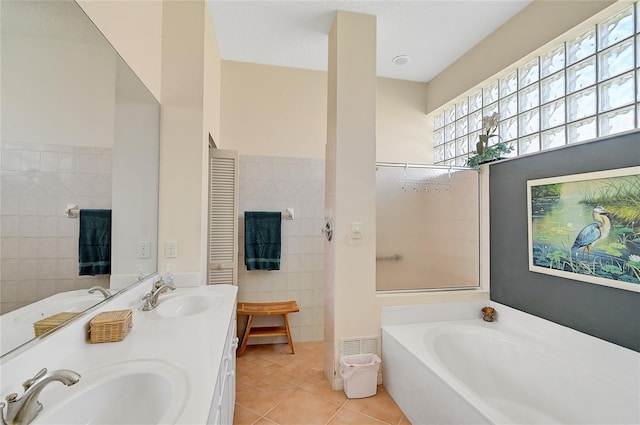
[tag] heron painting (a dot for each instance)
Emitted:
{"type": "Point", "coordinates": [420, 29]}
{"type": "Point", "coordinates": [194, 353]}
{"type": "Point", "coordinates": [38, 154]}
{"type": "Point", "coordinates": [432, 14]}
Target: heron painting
{"type": "Point", "coordinates": [587, 227]}
{"type": "Point", "coordinates": [593, 232]}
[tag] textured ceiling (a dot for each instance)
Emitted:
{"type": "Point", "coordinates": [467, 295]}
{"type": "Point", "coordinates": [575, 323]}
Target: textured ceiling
{"type": "Point", "coordinates": [295, 33]}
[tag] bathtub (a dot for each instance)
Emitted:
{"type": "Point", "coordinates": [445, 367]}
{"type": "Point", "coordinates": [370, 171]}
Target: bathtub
{"type": "Point", "coordinates": [474, 372]}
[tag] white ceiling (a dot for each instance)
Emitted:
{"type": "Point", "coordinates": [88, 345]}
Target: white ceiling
{"type": "Point", "coordinates": [294, 33]}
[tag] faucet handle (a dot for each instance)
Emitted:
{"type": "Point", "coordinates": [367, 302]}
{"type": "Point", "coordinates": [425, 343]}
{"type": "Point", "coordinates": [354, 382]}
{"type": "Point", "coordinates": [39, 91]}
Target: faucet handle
{"type": "Point", "coordinates": [147, 301]}
{"type": "Point", "coordinates": [11, 398]}
{"type": "Point", "coordinates": [29, 382]}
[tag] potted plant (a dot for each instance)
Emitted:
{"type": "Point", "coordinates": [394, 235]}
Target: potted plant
{"type": "Point", "coordinates": [484, 152]}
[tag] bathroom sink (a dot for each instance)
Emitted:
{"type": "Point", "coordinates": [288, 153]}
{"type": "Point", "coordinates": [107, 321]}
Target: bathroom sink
{"type": "Point", "coordinates": [180, 305]}
{"type": "Point", "coordinates": [131, 392]}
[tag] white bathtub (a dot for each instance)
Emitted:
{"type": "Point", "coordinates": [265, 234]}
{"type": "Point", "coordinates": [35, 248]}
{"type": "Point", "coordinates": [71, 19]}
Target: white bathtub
{"type": "Point", "coordinates": [474, 372]}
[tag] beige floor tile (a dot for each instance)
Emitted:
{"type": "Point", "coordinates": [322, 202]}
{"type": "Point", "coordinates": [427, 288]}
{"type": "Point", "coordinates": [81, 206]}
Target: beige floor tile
{"type": "Point", "coordinates": [302, 408]}
{"type": "Point", "coordinates": [261, 401]}
{"type": "Point", "coordinates": [323, 390]}
{"type": "Point", "coordinates": [274, 387]}
{"type": "Point", "coordinates": [315, 377]}
{"type": "Point", "coordinates": [381, 407]}
{"type": "Point", "coordinates": [266, 385]}
{"type": "Point", "coordinates": [264, 421]}
{"type": "Point", "coordinates": [349, 417]}
{"type": "Point", "coordinates": [243, 386]}
{"type": "Point", "coordinates": [243, 416]}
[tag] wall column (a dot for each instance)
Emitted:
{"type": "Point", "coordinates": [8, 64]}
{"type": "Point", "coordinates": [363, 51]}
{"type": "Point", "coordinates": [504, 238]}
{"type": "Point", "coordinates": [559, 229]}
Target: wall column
{"type": "Point", "coordinates": [350, 185]}
{"type": "Point", "coordinates": [181, 136]}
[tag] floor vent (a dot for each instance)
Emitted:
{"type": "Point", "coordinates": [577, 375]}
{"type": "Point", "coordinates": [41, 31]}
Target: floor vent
{"type": "Point", "coordinates": [362, 345]}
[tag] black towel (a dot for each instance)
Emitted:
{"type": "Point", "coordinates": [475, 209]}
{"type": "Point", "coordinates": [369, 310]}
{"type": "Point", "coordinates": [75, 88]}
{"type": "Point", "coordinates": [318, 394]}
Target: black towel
{"type": "Point", "coordinates": [94, 242]}
{"type": "Point", "coordinates": [262, 240]}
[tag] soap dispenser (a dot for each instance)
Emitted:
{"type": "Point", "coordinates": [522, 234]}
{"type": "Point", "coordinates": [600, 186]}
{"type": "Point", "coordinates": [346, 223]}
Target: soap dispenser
{"type": "Point", "coordinates": [168, 276]}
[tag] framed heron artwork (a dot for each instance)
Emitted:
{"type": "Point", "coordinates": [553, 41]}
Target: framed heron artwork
{"type": "Point", "coordinates": [587, 227]}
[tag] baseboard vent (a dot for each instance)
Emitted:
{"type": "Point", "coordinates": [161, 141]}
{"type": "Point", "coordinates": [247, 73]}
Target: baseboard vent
{"type": "Point", "coordinates": [363, 345]}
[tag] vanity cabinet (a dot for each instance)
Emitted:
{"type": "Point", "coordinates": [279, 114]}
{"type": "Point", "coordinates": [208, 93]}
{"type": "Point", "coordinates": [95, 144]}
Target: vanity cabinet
{"type": "Point", "coordinates": [224, 395]}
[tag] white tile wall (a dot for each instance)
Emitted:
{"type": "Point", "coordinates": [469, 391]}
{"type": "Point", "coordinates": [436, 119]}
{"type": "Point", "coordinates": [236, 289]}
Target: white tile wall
{"type": "Point", "coordinates": [275, 184]}
{"type": "Point", "coordinates": [38, 243]}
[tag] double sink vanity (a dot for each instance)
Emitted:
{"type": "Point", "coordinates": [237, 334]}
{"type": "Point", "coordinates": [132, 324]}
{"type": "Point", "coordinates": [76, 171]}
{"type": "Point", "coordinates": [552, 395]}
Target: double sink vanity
{"type": "Point", "coordinates": [175, 366]}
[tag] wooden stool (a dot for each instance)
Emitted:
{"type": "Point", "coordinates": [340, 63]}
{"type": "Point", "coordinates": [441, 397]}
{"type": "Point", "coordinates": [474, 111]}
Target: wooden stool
{"type": "Point", "coordinates": [266, 309]}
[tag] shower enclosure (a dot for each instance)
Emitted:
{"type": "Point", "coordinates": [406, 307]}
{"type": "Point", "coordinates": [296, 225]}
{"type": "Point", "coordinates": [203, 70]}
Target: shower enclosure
{"type": "Point", "coordinates": [427, 227]}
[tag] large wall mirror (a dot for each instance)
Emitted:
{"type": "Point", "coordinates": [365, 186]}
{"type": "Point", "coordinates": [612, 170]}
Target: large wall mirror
{"type": "Point", "coordinates": [77, 128]}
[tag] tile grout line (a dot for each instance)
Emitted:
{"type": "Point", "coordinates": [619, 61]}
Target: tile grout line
{"type": "Point", "coordinates": [368, 416]}
{"type": "Point", "coordinates": [334, 415]}
{"type": "Point", "coordinates": [264, 415]}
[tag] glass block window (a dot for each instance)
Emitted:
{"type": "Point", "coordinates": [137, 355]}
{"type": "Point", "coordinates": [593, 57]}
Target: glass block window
{"type": "Point", "coordinates": [581, 89]}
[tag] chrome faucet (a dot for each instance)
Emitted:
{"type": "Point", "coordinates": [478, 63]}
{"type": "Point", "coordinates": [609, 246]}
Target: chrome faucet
{"type": "Point", "coordinates": [23, 410]}
{"type": "Point", "coordinates": [151, 299]}
{"type": "Point", "coordinates": [100, 289]}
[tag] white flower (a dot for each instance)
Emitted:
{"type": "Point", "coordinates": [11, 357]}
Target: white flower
{"type": "Point", "coordinates": [634, 258]}
{"type": "Point", "coordinates": [490, 123]}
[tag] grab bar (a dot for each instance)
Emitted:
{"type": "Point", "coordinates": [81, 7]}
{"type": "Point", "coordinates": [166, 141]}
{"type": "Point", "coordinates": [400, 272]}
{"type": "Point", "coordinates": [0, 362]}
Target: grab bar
{"type": "Point", "coordinates": [396, 257]}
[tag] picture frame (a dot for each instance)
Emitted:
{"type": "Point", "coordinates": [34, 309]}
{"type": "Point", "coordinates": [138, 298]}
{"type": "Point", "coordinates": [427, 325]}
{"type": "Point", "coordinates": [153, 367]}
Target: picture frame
{"type": "Point", "coordinates": [586, 227]}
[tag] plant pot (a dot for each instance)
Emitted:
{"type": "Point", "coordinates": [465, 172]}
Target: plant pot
{"type": "Point", "coordinates": [482, 143]}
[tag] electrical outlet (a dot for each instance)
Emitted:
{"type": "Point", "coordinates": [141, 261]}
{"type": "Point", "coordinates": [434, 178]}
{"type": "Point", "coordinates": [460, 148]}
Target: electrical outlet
{"type": "Point", "coordinates": [171, 249]}
{"type": "Point", "coordinates": [144, 249]}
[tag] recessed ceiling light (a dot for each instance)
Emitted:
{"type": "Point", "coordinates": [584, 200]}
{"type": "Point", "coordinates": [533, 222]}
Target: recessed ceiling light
{"type": "Point", "coordinates": [401, 60]}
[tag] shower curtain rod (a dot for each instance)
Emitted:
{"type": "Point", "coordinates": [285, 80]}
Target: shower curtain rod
{"type": "Point", "coordinates": [407, 165]}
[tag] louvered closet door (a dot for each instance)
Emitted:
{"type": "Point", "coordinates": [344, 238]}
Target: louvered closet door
{"type": "Point", "coordinates": [223, 213]}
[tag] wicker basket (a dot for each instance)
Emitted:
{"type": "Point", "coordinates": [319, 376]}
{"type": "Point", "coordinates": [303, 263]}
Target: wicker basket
{"type": "Point", "coordinates": [48, 323]}
{"type": "Point", "coordinates": [110, 326]}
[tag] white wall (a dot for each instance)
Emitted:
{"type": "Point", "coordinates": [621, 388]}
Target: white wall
{"type": "Point", "coordinates": [211, 122]}
{"type": "Point", "coordinates": [277, 111]}
{"type": "Point", "coordinates": [401, 122]}
{"type": "Point", "coordinates": [67, 88]}
{"type": "Point", "coordinates": [269, 183]}
{"type": "Point", "coordinates": [134, 29]}
{"type": "Point", "coordinates": [182, 145]}
{"type": "Point", "coordinates": [273, 111]}
{"type": "Point", "coordinates": [536, 25]}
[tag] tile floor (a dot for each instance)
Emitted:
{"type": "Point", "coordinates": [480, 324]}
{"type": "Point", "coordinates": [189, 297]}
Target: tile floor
{"type": "Point", "coordinates": [276, 387]}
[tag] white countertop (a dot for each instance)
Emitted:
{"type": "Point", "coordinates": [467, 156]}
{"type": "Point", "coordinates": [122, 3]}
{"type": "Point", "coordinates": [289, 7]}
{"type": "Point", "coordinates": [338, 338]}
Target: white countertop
{"type": "Point", "coordinates": [194, 344]}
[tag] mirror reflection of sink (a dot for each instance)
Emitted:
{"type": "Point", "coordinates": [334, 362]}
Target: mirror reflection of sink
{"type": "Point", "coordinates": [180, 305]}
{"type": "Point", "coordinates": [71, 301]}
{"type": "Point", "coordinates": [16, 327]}
{"type": "Point", "coordinates": [131, 392]}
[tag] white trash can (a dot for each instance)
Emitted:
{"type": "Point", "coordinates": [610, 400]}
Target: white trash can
{"type": "Point", "coordinates": [360, 374]}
